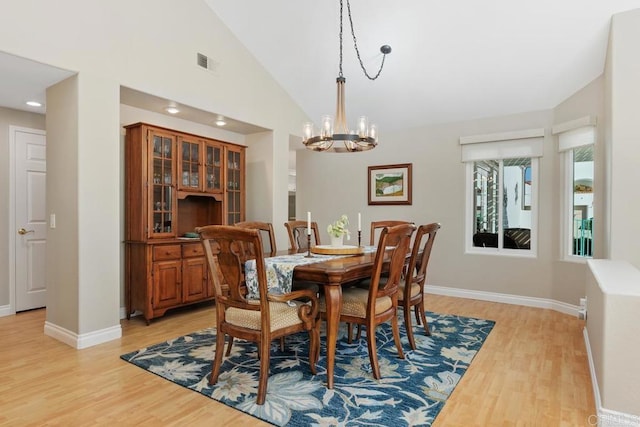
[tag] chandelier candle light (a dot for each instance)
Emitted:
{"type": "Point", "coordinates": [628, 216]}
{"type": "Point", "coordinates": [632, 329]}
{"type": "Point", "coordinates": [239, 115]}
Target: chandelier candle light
{"type": "Point", "coordinates": [365, 136]}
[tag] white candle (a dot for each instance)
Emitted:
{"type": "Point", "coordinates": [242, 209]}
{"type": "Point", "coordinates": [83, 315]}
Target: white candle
{"type": "Point", "coordinates": [359, 222]}
{"type": "Point", "coordinates": [309, 223]}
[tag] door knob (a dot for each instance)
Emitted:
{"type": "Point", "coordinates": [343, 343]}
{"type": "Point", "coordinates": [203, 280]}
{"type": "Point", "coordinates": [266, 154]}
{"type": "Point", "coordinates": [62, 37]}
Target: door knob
{"type": "Point", "coordinates": [23, 231]}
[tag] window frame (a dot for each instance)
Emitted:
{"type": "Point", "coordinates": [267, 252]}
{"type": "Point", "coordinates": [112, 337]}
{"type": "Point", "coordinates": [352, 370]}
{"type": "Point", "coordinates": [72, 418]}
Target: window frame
{"type": "Point", "coordinates": [532, 252]}
{"type": "Point", "coordinates": [499, 147]}
{"type": "Point", "coordinates": [572, 135]}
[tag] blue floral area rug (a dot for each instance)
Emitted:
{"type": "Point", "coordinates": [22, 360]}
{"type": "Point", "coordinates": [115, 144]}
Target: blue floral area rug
{"type": "Point", "coordinates": [411, 392]}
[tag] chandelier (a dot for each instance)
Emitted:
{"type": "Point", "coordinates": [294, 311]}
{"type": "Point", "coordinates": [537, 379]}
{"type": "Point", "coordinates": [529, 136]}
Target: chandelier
{"type": "Point", "coordinates": [365, 136]}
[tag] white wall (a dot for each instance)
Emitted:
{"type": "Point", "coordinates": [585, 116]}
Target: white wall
{"type": "Point", "coordinates": [330, 184]}
{"type": "Point", "coordinates": [613, 286]}
{"type": "Point", "coordinates": [63, 290]}
{"type": "Point", "coordinates": [623, 136]}
{"type": "Point", "coordinates": [613, 325]}
{"type": "Point", "coordinates": [149, 46]}
{"type": "Point", "coordinates": [438, 195]}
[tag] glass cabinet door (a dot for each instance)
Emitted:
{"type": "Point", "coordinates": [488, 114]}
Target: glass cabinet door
{"type": "Point", "coordinates": [162, 197]}
{"type": "Point", "coordinates": [213, 167]}
{"type": "Point", "coordinates": [190, 176]}
{"type": "Point", "coordinates": [234, 186]}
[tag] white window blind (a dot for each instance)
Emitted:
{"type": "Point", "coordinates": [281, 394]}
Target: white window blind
{"type": "Point", "coordinates": [576, 133]}
{"type": "Point", "coordinates": [509, 145]}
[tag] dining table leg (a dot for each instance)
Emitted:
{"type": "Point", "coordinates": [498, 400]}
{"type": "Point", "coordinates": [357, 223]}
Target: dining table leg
{"type": "Point", "coordinates": [333, 298]}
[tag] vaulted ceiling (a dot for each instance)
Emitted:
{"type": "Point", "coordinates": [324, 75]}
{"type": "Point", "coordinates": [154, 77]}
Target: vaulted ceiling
{"type": "Point", "coordinates": [450, 60]}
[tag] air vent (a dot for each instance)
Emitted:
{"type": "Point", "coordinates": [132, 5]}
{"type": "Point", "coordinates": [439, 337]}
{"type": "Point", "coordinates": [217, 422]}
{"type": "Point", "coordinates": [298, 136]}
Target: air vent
{"type": "Point", "coordinates": [205, 62]}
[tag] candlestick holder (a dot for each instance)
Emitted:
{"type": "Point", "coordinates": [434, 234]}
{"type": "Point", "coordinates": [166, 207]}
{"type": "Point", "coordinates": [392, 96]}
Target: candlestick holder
{"type": "Point", "coordinates": [308, 255]}
{"type": "Point", "coordinates": [359, 238]}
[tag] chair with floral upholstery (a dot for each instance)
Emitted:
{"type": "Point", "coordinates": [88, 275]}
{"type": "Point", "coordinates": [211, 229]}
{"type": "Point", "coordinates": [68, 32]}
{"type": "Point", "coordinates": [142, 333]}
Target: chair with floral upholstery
{"type": "Point", "coordinates": [259, 320]}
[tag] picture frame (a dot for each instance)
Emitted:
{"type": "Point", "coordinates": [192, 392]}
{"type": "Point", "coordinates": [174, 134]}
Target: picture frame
{"type": "Point", "coordinates": [390, 184]}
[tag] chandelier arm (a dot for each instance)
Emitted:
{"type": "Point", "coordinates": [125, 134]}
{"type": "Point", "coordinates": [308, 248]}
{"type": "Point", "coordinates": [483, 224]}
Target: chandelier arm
{"type": "Point", "coordinates": [355, 45]}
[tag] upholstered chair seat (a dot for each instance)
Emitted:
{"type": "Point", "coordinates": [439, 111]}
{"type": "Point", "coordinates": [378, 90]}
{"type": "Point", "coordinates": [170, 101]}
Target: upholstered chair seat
{"type": "Point", "coordinates": [355, 300]}
{"type": "Point", "coordinates": [415, 290]}
{"type": "Point", "coordinates": [282, 315]}
{"type": "Point", "coordinates": [379, 303]}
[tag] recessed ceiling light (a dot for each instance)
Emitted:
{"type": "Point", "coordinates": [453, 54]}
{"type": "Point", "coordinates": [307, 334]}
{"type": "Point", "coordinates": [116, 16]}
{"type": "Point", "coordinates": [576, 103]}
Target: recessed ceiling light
{"type": "Point", "coordinates": [220, 121]}
{"type": "Point", "coordinates": [171, 109]}
{"type": "Point", "coordinates": [34, 104]}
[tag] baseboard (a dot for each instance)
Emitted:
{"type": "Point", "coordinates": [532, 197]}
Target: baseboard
{"type": "Point", "coordinates": [83, 340]}
{"type": "Point", "coordinates": [562, 307]}
{"type": "Point", "coordinates": [605, 417]}
{"type": "Point", "coordinates": [5, 310]}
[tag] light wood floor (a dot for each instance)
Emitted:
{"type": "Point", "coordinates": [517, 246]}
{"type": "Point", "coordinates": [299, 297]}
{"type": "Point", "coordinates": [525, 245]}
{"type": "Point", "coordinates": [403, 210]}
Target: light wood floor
{"type": "Point", "coordinates": [532, 371]}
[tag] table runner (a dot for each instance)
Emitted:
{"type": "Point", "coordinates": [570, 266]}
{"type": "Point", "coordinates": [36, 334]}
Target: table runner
{"type": "Point", "coordinates": [279, 271]}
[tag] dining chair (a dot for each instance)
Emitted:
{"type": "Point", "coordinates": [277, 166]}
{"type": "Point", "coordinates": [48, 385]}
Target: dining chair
{"type": "Point", "coordinates": [379, 225]}
{"type": "Point", "coordinates": [263, 320]}
{"type": "Point", "coordinates": [269, 249]}
{"type": "Point", "coordinates": [297, 231]}
{"type": "Point", "coordinates": [379, 303]}
{"type": "Point", "coordinates": [411, 290]}
{"type": "Point", "coordinates": [376, 226]}
{"type": "Point", "coordinates": [266, 232]}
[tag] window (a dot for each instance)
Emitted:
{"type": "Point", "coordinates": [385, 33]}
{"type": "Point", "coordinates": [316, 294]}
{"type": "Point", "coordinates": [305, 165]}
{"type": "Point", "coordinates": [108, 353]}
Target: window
{"type": "Point", "coordinates": [576, 141]}
{"type": "Point", "coordinates": [502, 172]}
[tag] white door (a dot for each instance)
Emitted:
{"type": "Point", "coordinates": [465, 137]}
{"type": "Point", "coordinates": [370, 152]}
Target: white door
{"type": "Point", "coordinates": [30, 218]}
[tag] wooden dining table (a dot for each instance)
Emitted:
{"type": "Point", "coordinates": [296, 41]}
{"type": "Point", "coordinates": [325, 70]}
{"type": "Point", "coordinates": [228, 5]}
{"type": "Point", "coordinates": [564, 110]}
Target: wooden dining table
{"type": "Point", "coordinates": [333, 274]}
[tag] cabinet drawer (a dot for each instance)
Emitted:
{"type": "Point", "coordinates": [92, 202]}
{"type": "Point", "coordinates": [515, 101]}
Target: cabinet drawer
{"type": "Point", "coordinates": [166, 252]}
{"type": "Point", "coordinates": [192, 249]}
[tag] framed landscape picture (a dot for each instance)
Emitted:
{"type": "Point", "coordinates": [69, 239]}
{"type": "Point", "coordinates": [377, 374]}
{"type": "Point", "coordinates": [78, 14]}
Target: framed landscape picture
{"type": "Point", "coordinates": [390, 184]}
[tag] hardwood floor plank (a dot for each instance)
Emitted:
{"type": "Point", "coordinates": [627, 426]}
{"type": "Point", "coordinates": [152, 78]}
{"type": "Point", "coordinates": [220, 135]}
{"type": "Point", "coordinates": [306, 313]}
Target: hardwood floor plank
{"type": "Point", "coordinates": [532, 371]}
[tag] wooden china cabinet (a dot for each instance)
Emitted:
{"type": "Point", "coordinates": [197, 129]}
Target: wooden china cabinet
{"type": "Point", "coordinates": [175, 182]}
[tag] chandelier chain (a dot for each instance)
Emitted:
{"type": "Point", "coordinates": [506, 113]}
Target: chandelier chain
{"type": "Point", "coordinates": [340, 69]}
{"type": "Point", "coordinates": [355, 45]}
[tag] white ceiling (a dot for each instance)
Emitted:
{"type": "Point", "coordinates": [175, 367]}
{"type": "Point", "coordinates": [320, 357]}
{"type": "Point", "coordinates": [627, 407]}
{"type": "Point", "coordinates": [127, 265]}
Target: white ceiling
{"type": "Point", "coordinates": [158, 105]}
{"type": "Point", "coordinates": [23, 80]}
{"type": "Point", "coordinates": [451, 60]}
